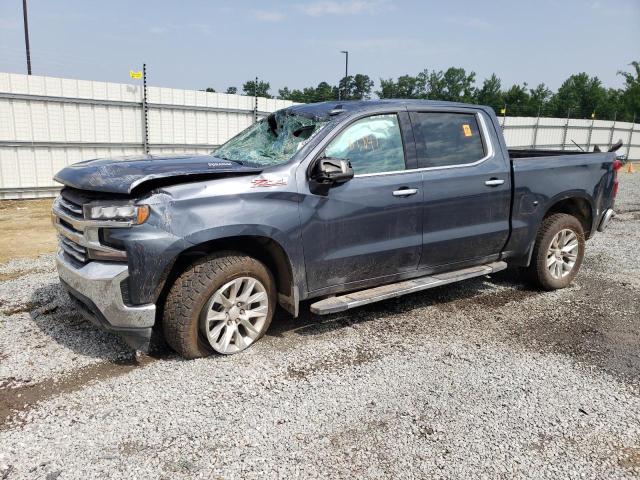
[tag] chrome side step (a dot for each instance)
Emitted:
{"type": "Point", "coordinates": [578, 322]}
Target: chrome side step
{"type": "Point", "coordinates": [384, 292]}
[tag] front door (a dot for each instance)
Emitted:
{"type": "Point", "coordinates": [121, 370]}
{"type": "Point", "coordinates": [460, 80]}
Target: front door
{"type": "Point", "coordinates": [370, 226]}
{"type": "Point", "coordinates": [467, 190]}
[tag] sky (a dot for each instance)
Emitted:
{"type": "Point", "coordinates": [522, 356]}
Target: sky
{"type": "Point", "coordinates": [196, 44]}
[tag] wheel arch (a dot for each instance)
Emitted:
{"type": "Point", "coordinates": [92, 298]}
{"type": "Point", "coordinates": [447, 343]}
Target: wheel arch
{"type": "Point", "coordinates": [579, 206]}
{"type": "Point", "coordinates": [576, 204]}
{"type": "Point", "coordinates": [262, 248]}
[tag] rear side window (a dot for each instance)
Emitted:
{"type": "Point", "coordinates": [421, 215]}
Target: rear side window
{"type": "Point", "coordinates": [446, 139]}
{"type": "Point", "coordinates": [372, 144]}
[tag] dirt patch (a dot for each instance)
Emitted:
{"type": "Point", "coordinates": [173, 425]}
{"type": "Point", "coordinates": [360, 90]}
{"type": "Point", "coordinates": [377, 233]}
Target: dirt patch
{"type": "Point", "coordinates": [494, 300]}
{"type": "Point", "coordinates": [630, 458]}
{"type": "Point", "coordinates": [599, 325]}
{"type": "Point", "coordinates": [26, 229]}
{"type": "Point", "coordinates": [17, 396]}
{"type": "Point", "coordinates": [17, 274]}
{"type": "Point", "coordinates": [27, 307]}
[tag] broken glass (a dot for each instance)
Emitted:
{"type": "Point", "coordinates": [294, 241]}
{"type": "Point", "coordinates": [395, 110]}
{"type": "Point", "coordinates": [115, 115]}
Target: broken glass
{"type": "Point", "coordinates": [271, 141]}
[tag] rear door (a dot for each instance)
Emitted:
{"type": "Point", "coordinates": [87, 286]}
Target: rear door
{"type": "Point", "coordinates": [467, 190]}
{"type": "Point", "coordinates": [371, 226]}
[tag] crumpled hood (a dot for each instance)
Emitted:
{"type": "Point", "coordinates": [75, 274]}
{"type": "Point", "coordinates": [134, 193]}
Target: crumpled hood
{"type": "Point", "coordinates": [122, 175]}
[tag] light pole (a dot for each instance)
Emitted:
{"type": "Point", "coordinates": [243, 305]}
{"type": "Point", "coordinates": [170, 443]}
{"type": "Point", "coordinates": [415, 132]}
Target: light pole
{"type": "Point", "coordinates": [26, 35]}
{"type": "Point", "coordinates": [346, 70]}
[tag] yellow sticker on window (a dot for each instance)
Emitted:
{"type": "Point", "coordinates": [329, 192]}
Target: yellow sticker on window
{"type": "Point", "coordinates": [466, 129]}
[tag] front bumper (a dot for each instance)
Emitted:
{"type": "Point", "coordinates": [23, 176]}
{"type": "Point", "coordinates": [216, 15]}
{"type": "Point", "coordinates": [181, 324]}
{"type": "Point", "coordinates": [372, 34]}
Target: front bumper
{"type": "Point", "coordinates": [96, 287]}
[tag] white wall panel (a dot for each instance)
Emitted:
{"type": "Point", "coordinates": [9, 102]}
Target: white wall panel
{"type": "Point", "coordinates": [80, 119]}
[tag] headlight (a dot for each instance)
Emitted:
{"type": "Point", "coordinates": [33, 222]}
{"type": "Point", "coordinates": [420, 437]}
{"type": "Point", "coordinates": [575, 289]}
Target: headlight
{"type": "Point", "coordinates": [136, 214]}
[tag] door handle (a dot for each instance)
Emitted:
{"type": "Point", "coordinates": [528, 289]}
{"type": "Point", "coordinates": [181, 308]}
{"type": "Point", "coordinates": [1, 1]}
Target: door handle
{"type": "Point", "coordinates": [494, 182]}
{"type": "Point", "coordinates": [405, 192]}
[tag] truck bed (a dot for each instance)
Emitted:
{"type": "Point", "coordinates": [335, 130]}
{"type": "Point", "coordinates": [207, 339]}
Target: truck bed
{"type": "Point", "coordinates": [587, 178]}
{"type": "Point", "coordinates": [532, 153]}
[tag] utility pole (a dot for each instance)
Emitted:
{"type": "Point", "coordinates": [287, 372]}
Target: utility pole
{"type": "Point", "coordinates": [26, 35]}
{"type": "Point", "coordinates": [346, 71]}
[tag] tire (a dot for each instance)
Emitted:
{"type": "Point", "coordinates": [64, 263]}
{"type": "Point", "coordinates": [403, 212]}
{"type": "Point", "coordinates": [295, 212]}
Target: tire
{"type": "Point", "coordinates": [552, 268]}
{"type": "Point", "coordinates": [196, 305]}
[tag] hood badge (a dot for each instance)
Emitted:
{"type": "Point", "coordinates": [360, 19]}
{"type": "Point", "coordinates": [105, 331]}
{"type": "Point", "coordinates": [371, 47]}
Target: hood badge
{"type": "Point", "coordinates": [268, 181]}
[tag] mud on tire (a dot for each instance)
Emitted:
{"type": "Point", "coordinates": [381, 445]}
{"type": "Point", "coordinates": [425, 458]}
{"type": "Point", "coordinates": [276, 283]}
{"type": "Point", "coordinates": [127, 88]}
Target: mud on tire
{"type": "Point", "coordinates": [193, 289]}
{"type": "Point", "coordinates": [538, 273]}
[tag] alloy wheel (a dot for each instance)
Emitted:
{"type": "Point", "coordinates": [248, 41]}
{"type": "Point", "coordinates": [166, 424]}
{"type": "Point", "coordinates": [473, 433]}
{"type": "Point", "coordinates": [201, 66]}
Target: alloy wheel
{"type": "Point", "coordinates": [235, 315]}
{"type": "Point", "coordinates": [562, 253]}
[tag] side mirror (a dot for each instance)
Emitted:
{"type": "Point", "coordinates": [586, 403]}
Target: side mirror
{"type": "Point", "coordinates": [328, 172]}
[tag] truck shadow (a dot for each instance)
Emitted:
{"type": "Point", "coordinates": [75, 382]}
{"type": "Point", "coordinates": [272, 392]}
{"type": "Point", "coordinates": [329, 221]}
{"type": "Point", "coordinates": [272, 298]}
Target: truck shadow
{"type": "Point", "coordinates": [476, 291]}
{"type": "Point", "coordinates": [56, 316]}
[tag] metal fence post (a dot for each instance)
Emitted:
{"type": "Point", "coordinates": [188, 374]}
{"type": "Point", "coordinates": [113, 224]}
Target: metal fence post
{"type": "Point", "coordinates": [535, 131]}
{"type": "Point", "coordinates": [590, 132]}
{"type": "Point", "coordinates": [613, 127]}
{"type": "Point", "coordinates": [633, 126]}
{"type": "Point", "coordinates": [255, 97]}
{"type": "Point", "coordinates": [145, 111]}
{"type": "Point", "coordinates": [566, 128]}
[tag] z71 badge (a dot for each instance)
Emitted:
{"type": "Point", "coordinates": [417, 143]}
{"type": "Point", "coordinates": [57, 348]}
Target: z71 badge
{"type": "Point", "coordinates": [262, 181]}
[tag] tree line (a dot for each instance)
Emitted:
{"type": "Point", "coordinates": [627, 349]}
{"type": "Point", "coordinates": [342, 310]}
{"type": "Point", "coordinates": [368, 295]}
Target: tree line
{"type": "Point", "coordinates": [579, 96]}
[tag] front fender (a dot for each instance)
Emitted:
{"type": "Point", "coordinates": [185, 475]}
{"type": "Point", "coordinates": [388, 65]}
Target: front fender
{"type": "Point", "coordinates": [287, 240]}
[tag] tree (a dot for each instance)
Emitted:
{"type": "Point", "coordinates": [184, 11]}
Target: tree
{"type": "Point", "coordinates": [260, 90]}
{"type": "Point", "coordinates": [491, 94]}
{"type": "Point", "coordinates": [388, 89]}
{"type": "Point", "coordinates": [324, 92]}
{"type": "Point", "coordinates": [362, 86]}
{"type": "Point", "coordinates": [538, 100]}
{"type": "Point", "coordinates": [517, 100]}
{"type": "Point", "coordinates": [232, 90]}
{"type": "Point", "coordinates": [580, 96]}
{"type": "Point", "coordinates": [209, 90]}
{"type": "Point", "coordinates": [346, 87]}
{"type": "Point", "coordinates": [407, 86]}
{"type": "Point", "coordinates": [629, 97]}
{"type": "Point", "coordinates": [453, 85]}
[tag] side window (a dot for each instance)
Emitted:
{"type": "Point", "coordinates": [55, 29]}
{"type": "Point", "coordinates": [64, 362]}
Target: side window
{"type": "Point", "coordinates": [372, 144]}
{"type": "Point", "coordinates": [444, 139]}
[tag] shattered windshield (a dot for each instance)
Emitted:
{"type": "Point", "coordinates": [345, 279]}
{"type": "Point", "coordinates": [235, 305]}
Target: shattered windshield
{"type": "Point", "coordinates": [271, 141]}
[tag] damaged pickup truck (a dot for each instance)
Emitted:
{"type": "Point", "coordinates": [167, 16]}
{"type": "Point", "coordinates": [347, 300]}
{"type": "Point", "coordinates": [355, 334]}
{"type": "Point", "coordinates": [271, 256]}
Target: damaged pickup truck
{"type": "Point", "coordinates": [343, 203]}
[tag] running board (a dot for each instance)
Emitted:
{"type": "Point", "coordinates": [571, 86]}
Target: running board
{"type": "Point", "coordinates": [384, 292]}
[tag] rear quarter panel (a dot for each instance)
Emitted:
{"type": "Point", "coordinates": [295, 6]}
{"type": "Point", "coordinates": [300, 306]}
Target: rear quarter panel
{"type": "Point", "coordinates": [541, 182]}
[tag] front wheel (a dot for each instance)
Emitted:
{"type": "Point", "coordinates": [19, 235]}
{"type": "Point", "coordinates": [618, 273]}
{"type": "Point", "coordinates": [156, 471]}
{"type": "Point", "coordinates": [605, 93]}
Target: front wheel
{"type": "Point", "coordinates": [222, 304]}
{"type": "Point", "coordinates": [557, 253]}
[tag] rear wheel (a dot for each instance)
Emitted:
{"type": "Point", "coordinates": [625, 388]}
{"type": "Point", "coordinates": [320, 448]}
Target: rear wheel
{"type": "Point", "coordinates": [557, 253]}
{"type": "Point", "coordinates": [222, 304]}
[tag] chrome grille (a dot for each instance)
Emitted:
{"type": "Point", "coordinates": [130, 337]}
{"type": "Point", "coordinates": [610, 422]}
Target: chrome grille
{"type": "Point", "coordinates": [73, 249]}
{"type": "Point", "coordinates": [78, 238]}
{"type": "Point", "coordinates": [69, 206]}
{"type": "Point", "coordinates": [72, 208]}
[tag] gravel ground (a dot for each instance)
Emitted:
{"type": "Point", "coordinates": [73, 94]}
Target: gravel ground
{"type": "Point", "coordinates": [485, 378]}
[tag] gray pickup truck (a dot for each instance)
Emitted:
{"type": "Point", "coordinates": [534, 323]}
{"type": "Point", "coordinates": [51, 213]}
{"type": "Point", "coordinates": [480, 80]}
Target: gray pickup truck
{"type": "Point", "coordinates": [344, 203]}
